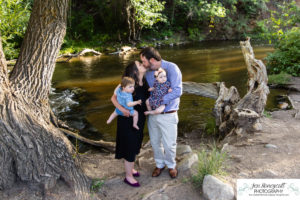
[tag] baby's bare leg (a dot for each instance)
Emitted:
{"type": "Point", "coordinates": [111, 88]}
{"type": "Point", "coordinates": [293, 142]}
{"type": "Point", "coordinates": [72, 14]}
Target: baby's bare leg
{"type": "Point", "coordinates": [158, 110]}
{"type": "Point", "coordinates": [135, 119]}
{"type": "Point", "coordinates": [112, 117]}
{"type": "Point", "coordinates": [148, 105]}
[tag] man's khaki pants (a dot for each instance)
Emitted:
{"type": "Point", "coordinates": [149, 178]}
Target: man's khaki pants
{"type": "Point", "coordinates": [163, 136]}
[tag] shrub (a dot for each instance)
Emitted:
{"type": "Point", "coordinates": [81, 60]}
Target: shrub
{"type": "Point", "coordinates": [286, 57]}
{"type": "Point", "coordinates": [97, 184]}
{"type": "Point", "coordinates": [209, 163]}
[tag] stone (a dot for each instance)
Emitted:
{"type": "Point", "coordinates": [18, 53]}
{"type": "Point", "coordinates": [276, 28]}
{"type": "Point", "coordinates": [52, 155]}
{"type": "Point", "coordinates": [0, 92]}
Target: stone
{"type": "Point", "coordinates": [257, 126]}
{"type": "Point", "coordinates": [159, 197]}
{"type": "Point", "coordinates": [283, 105]}
{"type": "Point", "coordinates": [187, 162]}
{"type": "Point", "coordinates": [183, 149]}
{"type": "Point", "coordinates": [270, 146]}
{"type": "Point", "coordinates": [214, 189]}
{"type": "Point", "coordinates": [271, 173]}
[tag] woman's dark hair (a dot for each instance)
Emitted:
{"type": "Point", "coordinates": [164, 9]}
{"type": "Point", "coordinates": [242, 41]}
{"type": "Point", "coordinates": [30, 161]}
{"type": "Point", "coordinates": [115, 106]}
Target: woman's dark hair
{"type": "Point", "coordinates": [132, 71]}
{"type": "Point", "coordinates": [150, 52]}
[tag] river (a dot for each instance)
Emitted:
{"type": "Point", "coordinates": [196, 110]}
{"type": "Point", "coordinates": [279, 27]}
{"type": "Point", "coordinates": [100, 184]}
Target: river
{"type": "Point", "coordinates": [202, 62]}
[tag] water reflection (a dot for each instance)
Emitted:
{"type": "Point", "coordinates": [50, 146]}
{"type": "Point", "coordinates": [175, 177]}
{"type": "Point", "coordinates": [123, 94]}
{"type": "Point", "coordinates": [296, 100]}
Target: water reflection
{"type": "Point", "coordinates": [204, 62]}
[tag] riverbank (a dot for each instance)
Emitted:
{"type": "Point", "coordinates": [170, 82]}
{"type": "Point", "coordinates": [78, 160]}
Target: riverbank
{"type": "Point", "coordinates": [259, 155]}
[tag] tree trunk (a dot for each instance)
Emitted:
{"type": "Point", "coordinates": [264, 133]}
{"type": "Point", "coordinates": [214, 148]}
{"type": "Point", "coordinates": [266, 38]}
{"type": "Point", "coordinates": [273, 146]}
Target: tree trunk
{"type": "Point", "coordinates": [235, 116]}
{"type": "Point", "coordinates": [32, 149]}
{"type": "Point", "coordinates": [129, 23]}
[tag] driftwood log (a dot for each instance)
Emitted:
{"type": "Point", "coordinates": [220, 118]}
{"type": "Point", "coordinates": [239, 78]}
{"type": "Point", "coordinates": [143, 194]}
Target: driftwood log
{"type": "Point", "coordinates": [209, 90]}
{"type": "Point", "coordinates": [69, 56]}
{"type": "Point", "coordinates": [241, 116]}
{"type": "Point", "coordinates": [124, 51]}
{"type": "Point", "coordinates": [109, 146]}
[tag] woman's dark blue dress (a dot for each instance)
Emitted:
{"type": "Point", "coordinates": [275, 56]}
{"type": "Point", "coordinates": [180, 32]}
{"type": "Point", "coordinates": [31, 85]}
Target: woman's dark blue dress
{"type": "Point", "coordinates": [129, 140]}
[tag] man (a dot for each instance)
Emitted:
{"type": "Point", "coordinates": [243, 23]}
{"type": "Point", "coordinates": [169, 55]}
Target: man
{"type": "Point", "coordinates": [163, 127]}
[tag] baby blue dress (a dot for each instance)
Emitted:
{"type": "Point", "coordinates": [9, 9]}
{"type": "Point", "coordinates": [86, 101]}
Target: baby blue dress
{"type": "Point", "coordinates": [123, 98]}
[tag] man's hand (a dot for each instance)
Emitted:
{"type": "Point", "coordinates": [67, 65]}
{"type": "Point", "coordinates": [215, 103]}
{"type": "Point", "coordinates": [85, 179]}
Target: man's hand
{"type": "Point", "coordinates": [170, 90]}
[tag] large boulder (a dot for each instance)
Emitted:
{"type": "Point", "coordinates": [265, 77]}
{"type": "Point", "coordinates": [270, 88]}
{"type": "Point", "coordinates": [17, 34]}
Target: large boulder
{"type": "Point", "coordinates": [214, 189]}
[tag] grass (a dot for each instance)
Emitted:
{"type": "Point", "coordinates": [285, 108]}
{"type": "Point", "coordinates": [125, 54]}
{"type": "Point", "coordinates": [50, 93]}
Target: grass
{"type": "Point", "coordinates": [209, 163]}
{"type": "Point", "coordinates": [267, 114]}
{"type": "Point", "coordinates": [97, 185]}
{"type": "Point", "coordinates": [281, 78]}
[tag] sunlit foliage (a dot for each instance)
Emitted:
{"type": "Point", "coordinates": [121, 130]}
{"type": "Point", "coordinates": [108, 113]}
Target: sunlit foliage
{"type": "Point", "coordinates": [14, 15]}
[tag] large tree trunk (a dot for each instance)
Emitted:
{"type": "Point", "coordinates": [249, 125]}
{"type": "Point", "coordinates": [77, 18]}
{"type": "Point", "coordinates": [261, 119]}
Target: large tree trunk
{"type": "Point", "coordinates": [32, 149]}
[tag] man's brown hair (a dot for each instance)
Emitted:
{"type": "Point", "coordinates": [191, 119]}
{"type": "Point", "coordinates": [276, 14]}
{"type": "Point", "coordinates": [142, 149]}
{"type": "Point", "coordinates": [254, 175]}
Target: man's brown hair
{"type": "Point", "coordinates": [150, 52]}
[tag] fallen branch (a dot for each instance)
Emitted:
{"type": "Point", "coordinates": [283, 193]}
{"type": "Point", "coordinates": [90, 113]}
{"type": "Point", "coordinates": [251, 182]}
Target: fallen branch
{"type": "Point", "coordinates": [209, 90]}
{"type": "Point", "coordinates": [110, 146]}
{"type": "Point", "coordinates": [123, 51]}
{"type": "Point", "coordinates": [69, 56]}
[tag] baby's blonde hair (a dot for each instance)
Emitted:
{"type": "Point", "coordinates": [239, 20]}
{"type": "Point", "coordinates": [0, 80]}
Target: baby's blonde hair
{"type": "Point", "coordinates": [126, 81]}
{"type": "Point", "coordinates": [159, 71]}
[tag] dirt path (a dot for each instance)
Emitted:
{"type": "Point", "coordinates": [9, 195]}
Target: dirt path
{"type": "Point", "coordinates": [272, 153]}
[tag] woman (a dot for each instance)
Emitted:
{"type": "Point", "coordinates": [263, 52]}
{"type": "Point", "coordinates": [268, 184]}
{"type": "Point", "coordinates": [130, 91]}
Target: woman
{"type": "Point", "coordinates": [129, 139]}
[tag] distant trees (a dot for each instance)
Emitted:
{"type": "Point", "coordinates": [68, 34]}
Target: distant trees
{"type": "Point", "coordinates": [97, 22]}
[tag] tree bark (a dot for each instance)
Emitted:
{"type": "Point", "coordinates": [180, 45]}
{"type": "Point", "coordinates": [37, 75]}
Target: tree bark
{"type": "Point", "coordinates": [241, 116]}
{"type": "Point", "coordinates": [32, 149]}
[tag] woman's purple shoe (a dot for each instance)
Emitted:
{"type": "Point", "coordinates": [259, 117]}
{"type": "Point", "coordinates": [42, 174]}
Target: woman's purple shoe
{"type": "Point", "coordinates": [136, 174]}
{"type": "Point", "coordinates": [132, 184]}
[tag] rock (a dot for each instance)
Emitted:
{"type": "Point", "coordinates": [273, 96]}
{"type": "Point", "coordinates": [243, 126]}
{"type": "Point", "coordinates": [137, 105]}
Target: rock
{"type": "Point", "coordinates": [225, 148]}
{"type": "Point", "coordinates": [214, 189]}
{"type": "Point", "coordinates": [243, 174]}
{"type": "Point", "coordinates": [271, 173]}
{"type": "Point", "coordinates": [297, 115]}
{"type": "Point", "coordinates": [159, 197]}
{"type": "Point", "coordinates": [183, 149]}
{"type": "Point", "coordinates": [269, 146]}
{"type": "Point", "coordinates": [257, 126]}
{"type": "Point", "coordinates": [187, 162]}
{"type": "Point", "coordinates": [157, 194]}
{"type": "Point", "coordinates": [283, 105]}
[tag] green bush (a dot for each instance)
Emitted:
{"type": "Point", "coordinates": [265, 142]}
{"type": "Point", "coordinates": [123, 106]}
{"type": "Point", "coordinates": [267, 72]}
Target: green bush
{"type": "Point", "coordinates": [195, 34]}
{"type": "Point", "coordinates": [14, 15]}
{"type": "Point", "coordinates": [286, 57]}
{"type": "Point", "coordinates": [209, 163]}
{"type": "Point", "coordinates": [97, 184]}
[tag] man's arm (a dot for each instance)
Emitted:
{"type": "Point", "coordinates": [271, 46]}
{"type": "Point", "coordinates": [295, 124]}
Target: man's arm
{"type": "Point", "coordinates": [176, 85]}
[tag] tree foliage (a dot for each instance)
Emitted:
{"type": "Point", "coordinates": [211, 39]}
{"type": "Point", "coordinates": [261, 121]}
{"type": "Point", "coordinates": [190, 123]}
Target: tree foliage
{"type": "Point", "coordinates": [286, 57]}
{"type": "Point", "coordinates": [14, 15]}
{"type": "Point", "coordinates": [281, 20]}
{"type": "Point", "coordinates": [148, 12]}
